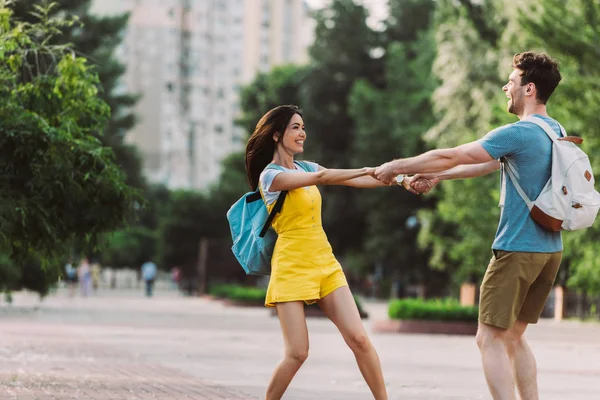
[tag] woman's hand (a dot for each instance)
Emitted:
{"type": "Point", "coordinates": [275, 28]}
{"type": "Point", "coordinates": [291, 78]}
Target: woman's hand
{"type": "Point", "coordinates": [370, 171]}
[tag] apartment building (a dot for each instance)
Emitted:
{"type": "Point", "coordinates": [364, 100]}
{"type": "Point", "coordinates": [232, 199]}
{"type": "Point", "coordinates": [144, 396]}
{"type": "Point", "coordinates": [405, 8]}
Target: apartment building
{"type": "Point", "coordinates": [189, 59]}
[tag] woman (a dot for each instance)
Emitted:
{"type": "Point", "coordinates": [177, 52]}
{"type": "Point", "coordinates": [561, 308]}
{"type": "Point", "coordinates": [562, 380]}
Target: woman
{"type": "Point", "coordinates": [303, 267]}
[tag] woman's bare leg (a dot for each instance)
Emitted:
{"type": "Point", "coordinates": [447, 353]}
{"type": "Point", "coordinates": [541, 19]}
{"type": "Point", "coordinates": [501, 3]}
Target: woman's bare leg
{"type": "Point", "coordinates": [340, 307]}
{"type": "Point", "coordinates": [295, 337]}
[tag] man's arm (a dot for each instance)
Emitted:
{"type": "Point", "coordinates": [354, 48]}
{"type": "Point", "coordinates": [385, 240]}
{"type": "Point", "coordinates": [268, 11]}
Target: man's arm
{"type": "Point", "coordinates": [434, 161]}
{"type": "Point", "coordinates": [468, 171]}
{"type": "Point", "coordinates": [423, 183]}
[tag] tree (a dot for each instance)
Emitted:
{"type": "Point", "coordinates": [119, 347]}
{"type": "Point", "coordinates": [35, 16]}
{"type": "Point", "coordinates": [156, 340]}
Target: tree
{"type": "Point", "coordinates": [57, 182]}
{"type": "Point", "coordinates": [574, 42]}
{"type": "Point", "coordinates": [337, 62]}
{"type": "Point", "coordinates": [96, 38]}
{"type": "Point", "coordinates": [467, 103]}
{"type": "Point", "coordinates": [390, 122]}
{"type": "Point", "coordinates": [193, 217]}
{"type": "Point", "coordinates": [281, 85]}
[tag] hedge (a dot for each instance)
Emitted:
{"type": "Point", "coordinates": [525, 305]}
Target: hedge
{"type": "Point", "coordinates": [251, 294]}
{"type": "Point", "coordinates": [432, 310]}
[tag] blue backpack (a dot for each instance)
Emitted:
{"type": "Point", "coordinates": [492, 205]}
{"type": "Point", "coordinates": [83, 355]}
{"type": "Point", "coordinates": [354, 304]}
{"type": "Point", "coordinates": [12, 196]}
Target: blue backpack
{"type": "Point", "coordinates": [251, 232]}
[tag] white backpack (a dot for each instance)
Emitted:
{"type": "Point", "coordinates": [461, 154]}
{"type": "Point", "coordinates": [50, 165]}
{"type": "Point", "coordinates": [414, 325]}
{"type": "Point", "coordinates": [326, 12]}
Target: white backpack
{"type": "Point", "coordinates": [568, 201]}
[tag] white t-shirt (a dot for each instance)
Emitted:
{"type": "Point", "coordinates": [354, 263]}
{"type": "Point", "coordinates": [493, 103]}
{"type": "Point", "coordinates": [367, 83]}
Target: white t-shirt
{"type": "Point", "coordinates": [267, 176]}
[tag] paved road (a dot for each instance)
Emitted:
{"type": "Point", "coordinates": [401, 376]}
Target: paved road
{"type": "Point", "coordinates": [125, 347]}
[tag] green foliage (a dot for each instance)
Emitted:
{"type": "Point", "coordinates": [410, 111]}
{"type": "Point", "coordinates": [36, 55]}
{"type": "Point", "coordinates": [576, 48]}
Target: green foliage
{"type": "Point", "coordinates": [390, 122]}
{"type": "Point", "coordinates": [432, 310]}
{"type": "Point", "coordinates": [574, 42]}
{"type": "Point", "coordinates": [337, 62]}
{"type": "Point", "coordinates": [238, 293]}
{"type": "Point", "coordinates": [191, 216]}
{"type": "Point", "coordinates": [130, 247]}
{"type": "Point", "coordinates": [282, 85]}
{"type": "Point", "coordinates": [248, 294]}
{"type": "Point", "coordinates": [222, 290]}
{"type": "Point", "coordinates": [37, 277]}
{"type": "Point", "coordinates": [96, 38]}
{"type": "Point", "coordinates": [460, 231]}
{"type": "Point", "coordinates": [256, 295]}
{"type": "Point", "coordinates": [9, 274]}
{"type": "Point", "coordinates": [58, 183]}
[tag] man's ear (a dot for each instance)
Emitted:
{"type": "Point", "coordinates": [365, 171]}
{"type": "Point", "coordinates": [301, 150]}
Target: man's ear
{"type": "Point", "coordinates": [530, 88]}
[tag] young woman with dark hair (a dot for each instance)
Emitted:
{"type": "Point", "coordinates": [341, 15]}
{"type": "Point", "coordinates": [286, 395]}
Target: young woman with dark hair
{"type": "Point", "coordinates": [303, 267]}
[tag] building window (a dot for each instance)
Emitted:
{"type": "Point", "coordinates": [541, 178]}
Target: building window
{"type": "Point", "coordinates": [219, 129]}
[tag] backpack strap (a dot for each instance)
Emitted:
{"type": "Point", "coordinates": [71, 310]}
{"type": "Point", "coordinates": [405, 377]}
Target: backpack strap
{"type": "Point", "coordinates": [274, 211]}
{"type": "Point", "coordinates": [507, 169]}
{"type": "Point", "coordinates": [544, 125]}
{"type": "Point", "coordinates": [278, 204]}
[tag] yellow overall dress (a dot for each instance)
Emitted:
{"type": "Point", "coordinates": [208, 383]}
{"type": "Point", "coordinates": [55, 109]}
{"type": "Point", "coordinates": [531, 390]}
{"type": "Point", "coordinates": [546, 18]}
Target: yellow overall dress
{"type": "Point", "coordinates": [303, 267]}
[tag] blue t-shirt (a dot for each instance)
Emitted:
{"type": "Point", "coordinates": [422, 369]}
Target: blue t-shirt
{"type": "Point", "coordinates": [148, 271]}
{"type": "Point", "coordinates": [529, 149]}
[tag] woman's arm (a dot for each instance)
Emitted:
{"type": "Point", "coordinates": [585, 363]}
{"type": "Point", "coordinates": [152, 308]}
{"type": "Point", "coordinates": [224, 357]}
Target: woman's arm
{"type": "Point", "coordinates": [295, 180]}
{"type": "Point", "coordinates": [369, 182]}
{"type": "Point", "coordinates": [365, 182]}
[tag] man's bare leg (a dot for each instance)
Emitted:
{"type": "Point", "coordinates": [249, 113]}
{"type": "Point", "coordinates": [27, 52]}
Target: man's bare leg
{"type": "Point", "coordinates": [496, 364]}
{"type": "Point", "coordinates": [523, 361]}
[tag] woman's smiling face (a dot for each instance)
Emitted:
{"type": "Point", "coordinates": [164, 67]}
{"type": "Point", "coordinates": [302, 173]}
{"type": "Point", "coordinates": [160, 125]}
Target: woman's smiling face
{"type": "Point", "coordinates": [294, 136]}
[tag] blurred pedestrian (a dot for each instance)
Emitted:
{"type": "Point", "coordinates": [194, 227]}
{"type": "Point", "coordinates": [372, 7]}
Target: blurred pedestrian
{"type": "Point", "coordinates": [96, 271]}
{"type": "Point", "coordinates": [149, 271]}
{"type": "Point", "coordinates": [84, 275]}
{"type": "Point", "coordinates": [175, 277]}
{"type": "Point", "coordinates": [71, 277]}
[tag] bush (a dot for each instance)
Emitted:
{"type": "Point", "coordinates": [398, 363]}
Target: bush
{"type": "Point", "coordinates": [222, 290]}
{"type": "Point", "coordinates": [248, 294]}
{"type": "Point", "coordinates": [255, 295]}
{"type": "Point", "coordinates": [238, 293]}
{"type": "Point", "coordinates": [432, 310]}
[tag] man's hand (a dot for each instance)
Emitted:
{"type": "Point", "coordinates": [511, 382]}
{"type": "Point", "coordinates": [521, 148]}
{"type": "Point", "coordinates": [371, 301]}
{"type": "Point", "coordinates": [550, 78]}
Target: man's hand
{"type": "Point", "coordinates": [407, 184]}
{"type": "Point", "coordinates": [386, 173]}
{"type": "Point", "coordinates": [423, 183]}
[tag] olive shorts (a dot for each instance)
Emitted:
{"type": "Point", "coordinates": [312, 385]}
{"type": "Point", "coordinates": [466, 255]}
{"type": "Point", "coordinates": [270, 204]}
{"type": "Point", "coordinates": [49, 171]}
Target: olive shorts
{"type": "Point", "coordinates": [516, 286]}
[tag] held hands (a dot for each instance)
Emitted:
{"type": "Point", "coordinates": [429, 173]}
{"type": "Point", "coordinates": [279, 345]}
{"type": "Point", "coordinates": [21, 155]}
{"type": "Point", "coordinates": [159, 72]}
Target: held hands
{"type": "Point", "coordinates": [417, 184]}
{"type": "Point", "coordinates": [385, 173]}
{"type": "Point", "coordinates": [423, 183]}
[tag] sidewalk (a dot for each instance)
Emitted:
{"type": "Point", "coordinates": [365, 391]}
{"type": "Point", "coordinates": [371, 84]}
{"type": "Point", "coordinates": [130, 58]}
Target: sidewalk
{"type": "Point", "coordinates": [123, 346]}
{"type": "Point", "coordinates": [50, 361]}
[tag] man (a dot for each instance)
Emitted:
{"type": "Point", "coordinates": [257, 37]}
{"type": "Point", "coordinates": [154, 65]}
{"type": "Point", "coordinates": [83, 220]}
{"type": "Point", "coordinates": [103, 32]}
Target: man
{"type": "Point", "coordinates": [148, 275]}
{"type": "Point", "coordinates": [526, 257]}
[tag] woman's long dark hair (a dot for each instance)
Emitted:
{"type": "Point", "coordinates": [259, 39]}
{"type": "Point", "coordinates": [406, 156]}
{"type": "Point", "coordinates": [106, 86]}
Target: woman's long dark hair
{"type": "Point", "coordinates": [261, 146]}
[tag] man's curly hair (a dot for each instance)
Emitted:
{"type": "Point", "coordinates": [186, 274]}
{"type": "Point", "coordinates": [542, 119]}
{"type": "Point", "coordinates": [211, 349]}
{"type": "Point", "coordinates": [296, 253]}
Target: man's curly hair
{"type": "Point", "coordinates": [539, 69]}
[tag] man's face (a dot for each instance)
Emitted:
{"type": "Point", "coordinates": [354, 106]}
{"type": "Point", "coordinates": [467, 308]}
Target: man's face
{"type": "Point", "coordinates": [515, 92]}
